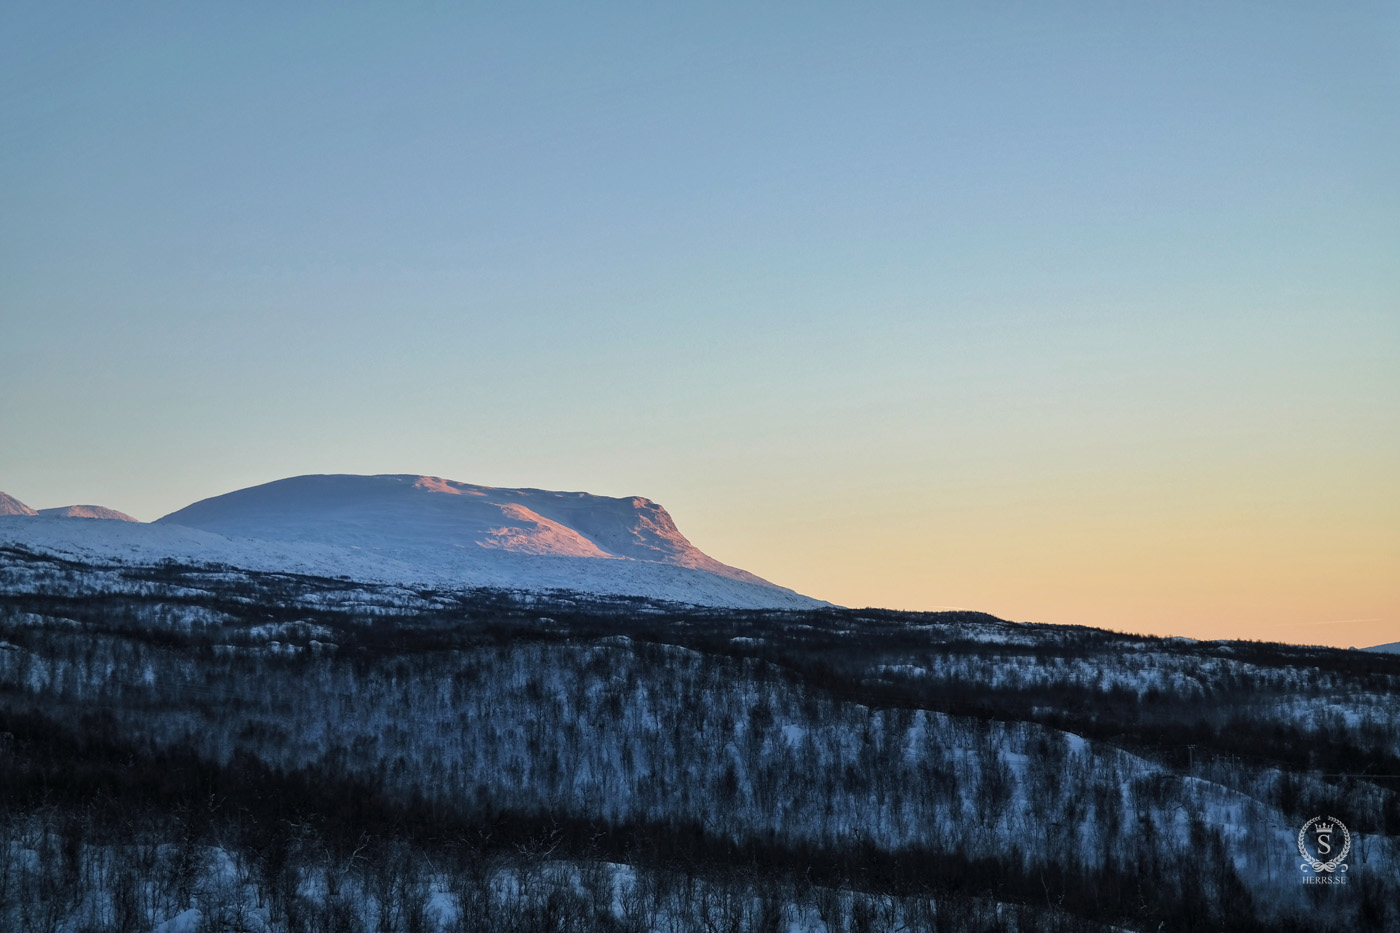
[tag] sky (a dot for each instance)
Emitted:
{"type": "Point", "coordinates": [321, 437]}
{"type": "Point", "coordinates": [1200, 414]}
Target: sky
{"type": "Point", "coordinates": [1078, 313]}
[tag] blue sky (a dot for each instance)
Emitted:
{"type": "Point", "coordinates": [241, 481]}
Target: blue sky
{"type": "Point", "coordinates": [1081, 313]}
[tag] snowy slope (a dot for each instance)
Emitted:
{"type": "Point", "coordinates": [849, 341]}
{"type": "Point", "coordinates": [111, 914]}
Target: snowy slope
{"type": "Point", "coordinates": [424, 531]}
{"type": "Point", "coordinates": [9, 505]}
{"type": "Point", "coordinates": [86, 511]}
{"type": "Point", "coordinates": [393, 511]}
{"type": "Point", "coordinates": [1392, 648]}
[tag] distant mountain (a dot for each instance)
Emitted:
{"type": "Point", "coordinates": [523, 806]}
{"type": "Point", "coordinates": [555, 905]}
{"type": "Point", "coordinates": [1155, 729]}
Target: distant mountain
{"type": "Point", "coordinates": [427, 511]}
{"type": "Point", "coordinates": [9, 505]}
{"type": "Point", "coordinates": [1392, 648]}
{"type": "Point", "coordinates": [86, 511]}
{"type": "Point", "coordinates": [424, 530]}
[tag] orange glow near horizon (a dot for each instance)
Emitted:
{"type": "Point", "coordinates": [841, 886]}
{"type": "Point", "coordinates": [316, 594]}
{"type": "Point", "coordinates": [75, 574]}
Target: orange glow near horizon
{"type": "Point", "coordinates": [1328, 574]}
{"type": "Point", "coordinates": [1224, 602]}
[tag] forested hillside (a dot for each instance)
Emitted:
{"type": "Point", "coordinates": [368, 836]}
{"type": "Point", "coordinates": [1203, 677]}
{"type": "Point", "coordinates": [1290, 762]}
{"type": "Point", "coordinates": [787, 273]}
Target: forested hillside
{"type": "Point", "coordinates": [253, 751]}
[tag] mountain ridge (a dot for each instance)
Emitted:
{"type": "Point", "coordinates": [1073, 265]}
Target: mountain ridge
{"type": "Point", "coordinates": [9, 505]}
{"type": "Point", "coordinates": [87, 511]}
{"type": "Point", "coordinates": [425, 531]}
{"type": "Point", "coordinates": [419, 509]}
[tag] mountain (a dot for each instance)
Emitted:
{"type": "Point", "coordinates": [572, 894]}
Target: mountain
{"type": "Point", "coordinates": [86, 511]}
{"type": "Point", "coordinates": [427, 511]}
{"type": "Point", "coordinates": [1392, 648]}
{"type": "Point", "coordinates": [9, 505]}
{"type": "Point", "coordinates": [426, 531]}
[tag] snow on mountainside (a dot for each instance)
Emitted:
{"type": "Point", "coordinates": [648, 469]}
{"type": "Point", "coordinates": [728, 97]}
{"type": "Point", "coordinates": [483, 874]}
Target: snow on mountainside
{"type": "Point", "coordinates": [9, 505]}
{"type": "Point", "coordinates": [1392, 648]}
{"type": "Point", "coordinates": [415, 511]}
{"type": "Point", "coordinates": [86, 511]}
{"type": "Point", "coordinates": [425, 531]}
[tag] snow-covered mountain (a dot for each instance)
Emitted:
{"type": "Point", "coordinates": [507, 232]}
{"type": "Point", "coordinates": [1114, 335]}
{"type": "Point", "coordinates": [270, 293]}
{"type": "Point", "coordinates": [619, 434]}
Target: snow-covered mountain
{"type": "Point", "coordinates": [86, 511]}
{"type": "Point", "coordinates": [426, 511]}
{"type": "Point", "coordinates": [1392, 648]}
{"type": "Point", "coordinates": [9, 505]}
{"type": "Point", "coordinates": [423, 530]}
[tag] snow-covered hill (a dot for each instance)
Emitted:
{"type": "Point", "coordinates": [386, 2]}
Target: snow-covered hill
{"type": "Point", "coordinates": [1392, 648]}
{"type": "Point", "coordinates": [86, 511]}
{"type": "Point", "coordinates": [9, 505]}
{"type": "Point", "coordinates": [426, 531]}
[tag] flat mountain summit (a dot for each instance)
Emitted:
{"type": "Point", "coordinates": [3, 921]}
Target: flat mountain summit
{"type": "Point", "coordinates": [404, 510]}
{"type": "Point", "coordinates": [422, 531]}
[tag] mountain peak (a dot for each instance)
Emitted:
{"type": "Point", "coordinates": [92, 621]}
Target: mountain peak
{"type": "Point", "coordinates": [9, 505]}
{"type": "Point", "coordinates": [86, 511]}
{"type": "Point", "coordinates": [390, 513]}
{"type": "Point", "coordinates": [420, 531]}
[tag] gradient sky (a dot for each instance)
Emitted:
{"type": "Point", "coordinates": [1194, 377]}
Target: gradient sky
{"type": "Point", "coordinates": [1083, 312]}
